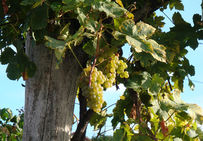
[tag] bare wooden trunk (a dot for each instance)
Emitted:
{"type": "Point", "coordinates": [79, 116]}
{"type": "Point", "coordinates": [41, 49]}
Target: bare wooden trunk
{"type": "Point", "coordinates": [50, 96]}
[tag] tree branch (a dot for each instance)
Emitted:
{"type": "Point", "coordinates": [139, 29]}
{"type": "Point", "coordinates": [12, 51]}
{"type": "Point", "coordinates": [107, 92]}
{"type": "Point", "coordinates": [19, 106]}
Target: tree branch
{"type": "Point", "coordinates": [137, 103]}
{"type": "Point", "coordinates": [85, 116]}
{"type": "Point", "coordinates": [82, 126]}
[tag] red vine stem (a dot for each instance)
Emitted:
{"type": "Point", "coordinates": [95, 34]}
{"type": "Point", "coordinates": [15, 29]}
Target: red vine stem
{"type": "Point", "coordinates": [96, 55]}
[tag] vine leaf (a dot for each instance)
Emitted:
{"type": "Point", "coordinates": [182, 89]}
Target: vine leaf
{"type": "Point", "coordinates": [6, 114]}
{"type": "Point", "coordinates": [119, 2]}
{"type": "Point", "coordinates": [143, 138]}
{"type": "Point", "coordinates": [58, 46]}
{"type": "Point", "coordinates": [191, 84]}
{"type": "Point", "coordinates": [39, 17]}
{"type": "Point", "coordinates": [119, 135]}
{"type": "Point", "coordinates": [178, 20]}
{"type": "Point", "coordinates": [38, 3]}
{"type": "Point", "coordinates": [90, 48]}
{"type": "Point", "coordinates": [137, 37]}
{"type": "Point", "coordinates": [156, 84]}
{"type": "Point", "coordinates": [7, 55]}
{"type": "Point", "coordinates": [29, 2]}
{"type": "Point", "coordinates": [177, 4]}
{"type": "Point", "coordinates": [98, 120]}
{"type": "Point", "coordinates": [196, 112]}
{"type": "Point", "coordinates": [13, 71]}
{"type": "Point", "coordinates": [110, 8]}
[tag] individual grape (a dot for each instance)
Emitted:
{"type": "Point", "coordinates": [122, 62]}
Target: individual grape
{"type": "Point", "coordinates": [126, 75]}
{"type": "Point", "coordinates": [101, 59]}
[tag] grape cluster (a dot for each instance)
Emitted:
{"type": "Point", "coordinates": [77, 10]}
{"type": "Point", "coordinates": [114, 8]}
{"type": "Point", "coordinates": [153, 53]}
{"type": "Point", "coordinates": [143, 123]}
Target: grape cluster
{"type": "Point", "coordinates": [113, 67]}
{"type": "Point", "coordinates": [93, 91]}
{"type": "Point", "coordinates": [94, 80]}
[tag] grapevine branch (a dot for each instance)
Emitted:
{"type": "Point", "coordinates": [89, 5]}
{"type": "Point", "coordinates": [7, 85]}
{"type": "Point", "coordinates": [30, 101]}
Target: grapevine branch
{"type": "Point", "coordinates": [169, 84]}
{"type": "Point", "coordinates": [96, 54]}
{"type": "Point", "coordinates": [137, 104]}
{"type": "Point", "coordinates": [85, 116]}
{"type": "Point", "coordinates": [77, 120]}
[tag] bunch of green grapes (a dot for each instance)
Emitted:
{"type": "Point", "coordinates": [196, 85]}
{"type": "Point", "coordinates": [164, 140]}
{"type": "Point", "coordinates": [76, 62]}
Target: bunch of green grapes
{"type": "Point", "coordinates": [91, 86]}
{"type": "Point", "coordinates": [93, 81]}
{"type": "Point", "coordinates": [114, 66]}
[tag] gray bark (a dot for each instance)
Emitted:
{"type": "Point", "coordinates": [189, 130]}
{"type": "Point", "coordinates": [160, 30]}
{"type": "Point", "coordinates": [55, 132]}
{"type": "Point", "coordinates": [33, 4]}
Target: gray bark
{"type": "Point", "coordinates": [49, 96]}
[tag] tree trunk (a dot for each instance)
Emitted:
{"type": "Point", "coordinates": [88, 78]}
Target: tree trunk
{"type": "Point", "coordinates": [49, 96]}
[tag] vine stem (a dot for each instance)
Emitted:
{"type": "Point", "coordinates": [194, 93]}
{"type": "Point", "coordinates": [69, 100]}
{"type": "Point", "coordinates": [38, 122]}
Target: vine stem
{"type": "Point", "coordinates": [96, 55]}
{"type": "Point", "coordinates": [69, 46]}
{"type": "Point", "coordinates": [169, 84]}
{"type": "Point", "coordinates": [77, 120]}
{"type": "Point", "coordinates": [110, 106]}
{"type": "Point", "coordinates": [170, 116]}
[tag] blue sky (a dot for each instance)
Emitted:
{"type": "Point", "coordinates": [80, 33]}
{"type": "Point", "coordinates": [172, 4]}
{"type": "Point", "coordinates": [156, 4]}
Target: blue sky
{"type": "Point", "coordinates": [12, 92]}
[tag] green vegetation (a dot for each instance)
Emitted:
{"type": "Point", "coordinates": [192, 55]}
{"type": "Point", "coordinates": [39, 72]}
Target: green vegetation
{"type": "Point", "coordinates": [151, 107]}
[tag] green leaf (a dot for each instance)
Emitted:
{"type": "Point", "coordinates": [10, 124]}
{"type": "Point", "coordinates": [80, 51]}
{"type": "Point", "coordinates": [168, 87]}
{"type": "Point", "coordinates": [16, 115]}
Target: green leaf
{"type": "Point", "coordinates": [70, 4]}
{"type": "Point", "coordinates": [146, 82]}
{"type": "Point", "coordinates": [76, 38]}
{"type": "Point", "coordinates": [89, 48]}
{"type": "Point", "coordinates": [119, 135]}
{"type": "Point", "coordinates": [118, 22]}
{"type": "Point", "coordinates": [145, 98]}
{"type": "Point", "coordinates": [31, 69]}
{"type": "Point", "coordinates": [7, 55]}
{"type": "Point", "coordinates": [189, 69]}
{"type": "Point", "coordinates": [38, 3]}
{"type": "Point", "coordinates": [177, 104]}
{"type": "Point", "coordinates": [137, 37]}
{"type": "Point", "coordinates": [182, 115]}
{"type": "Point", "coordinates": [93, 26]}
{"type": "Point", "coordinates": [139, 44]}
{"type": "Point", "coordinates": [196, 112]}
{"type": "Point", "coordinates": [98, 120]}
{"type": "Point", "coordinates": [28, 2]}
{"type": "Point", "coordinates": [143, 138]}
{"type": "Point", "coordinates": [135, 82]}
{"type": "Point", "coordinates": [143, 30]}
{"type": "Point", "coordinates": [177, 19]}
{"type": "Point", "coordinates": [6, 114]}
{"type": "Point", "coordinates": [156, 83]}
{"type": "Point", "coordinates": [15, 119]}
{"type": "Point", "coordinates": [177, 132]}
{"type": "Point", "coordinates": [178, 139]}
{"type": "Point", "coordinates": [56, 6]}
{"type": "Point", "coordinates": [39, 17]}
{"type": "Point", "coordinates": [177, 4]}
{"type": "Point", "coordinates": [145, 59]}
{"type": "Point", "coordinates": [81, 16]}
{"type": "Point", "coordinates": [13, 71]}
{"type": "Point", "coordinates": [191, 84]}
{"type": "Point", "coordinates": [197, 20]}
{"type": "Point", "coordinates": [123, 106]}
{"type": "Point", "coordinates": [58, 46]}
{"type": "Point", "coordinates": [110, 8]}
{"type": "Point", "coordinates": [118, 113]}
